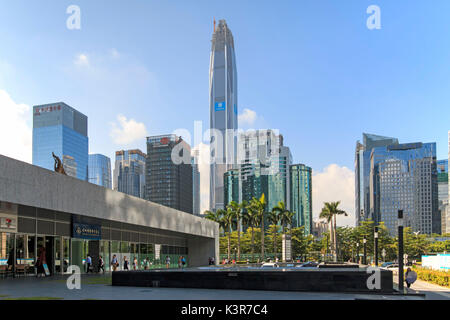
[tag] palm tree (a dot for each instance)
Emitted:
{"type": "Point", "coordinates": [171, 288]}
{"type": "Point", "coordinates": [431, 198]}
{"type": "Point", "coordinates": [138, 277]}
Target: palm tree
{"type": "Point", "coordinates": [284, 216]}
{"type": "Point", "coordinates": [260, 208]}
{"type": "Point", "coordinates": [274, 218]}
{"type": "Point", "coordinates": [227, 220]}
{"type": "Point", "coordinates": [237, 210]}
{"type": "Point", "coordinates": [329, 212]}
{"type": "Point", "coordinates": [251, 217]}
{"type": "Point", "coordinates": [224, 220]}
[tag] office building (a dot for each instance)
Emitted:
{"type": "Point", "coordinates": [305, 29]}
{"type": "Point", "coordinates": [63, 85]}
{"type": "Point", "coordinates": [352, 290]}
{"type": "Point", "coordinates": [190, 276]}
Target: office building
{"type": "Point", "coordinates": [61, 129]}
{"type": "Point", "coordinates": [362, 172]}
{"type": "Point", "coordinates": [195, 181]}
{"type": "Point", "coordinates": [168, 174]}
{"type": "Point", "coordinates": [100, 170]}
{"type": "Point", "coordinates": [231, 186]}
{"type": "Point", "coordinates": [129, 172]}
{"type": "Point", "coordinates": [404, 177]}
{"type": "Point", "coordinates": [301, 197]}
{"type": "Point", "coordinates": [223, 110]}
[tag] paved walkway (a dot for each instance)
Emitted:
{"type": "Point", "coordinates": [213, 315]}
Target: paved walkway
{"type": "Point", "coordinates": [55, 287]}
{"type": "Point", "coordinates": [431, 291]}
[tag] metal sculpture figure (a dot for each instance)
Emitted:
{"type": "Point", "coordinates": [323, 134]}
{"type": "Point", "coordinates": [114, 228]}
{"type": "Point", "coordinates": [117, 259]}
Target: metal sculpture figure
{"type": "Point", "coordinates": [58, 165]}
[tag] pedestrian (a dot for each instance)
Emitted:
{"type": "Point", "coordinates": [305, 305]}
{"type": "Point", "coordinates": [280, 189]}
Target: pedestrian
{"type": "Point", "coordinates": [125, 263]}
{"type": "Point", "coordinates": [410, 277]}
{"type": "Point", "coordinates": [183, 261]}
{"type": "Point", "coordinates": [10, 259]}
{"type": "Point", "coordinates": [179, 262]}
{"type": "Point", "coordinates": [114, 263]}
{"type": "Point", "coordinates": [213, 261]}
{"type": "Point", "coordinates": [167, 262]}
{"type": "Point", "coordinates": [41, 260]}
{"type": "Point", "coordinates": [88, 264]}
{"type": "Point", "coordinates": [135, 263]}
{"type": "Point", "coordinates": [101, 264]}
{"type": "Point", "coordinates": [147, 263]}
{"type": "Point", "coordinates": [209, 260]}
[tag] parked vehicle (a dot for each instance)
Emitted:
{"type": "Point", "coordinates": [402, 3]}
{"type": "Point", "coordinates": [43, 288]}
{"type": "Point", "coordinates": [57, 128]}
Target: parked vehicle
{"type": "Point", "coordinates": [269, 265]}
{"type": "Point", "coordinates": [309, 264]}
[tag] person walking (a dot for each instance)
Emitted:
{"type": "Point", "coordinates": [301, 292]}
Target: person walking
{"type": "Point", "coordinates": [183, 261]}
{"type": "Point", "coordinates": [41, 260]}
{"type": "Point", "coordinates": [114, 263]}
{"type": "Point", "coordinates": [125, 263]}
{"type": "Point", "coordinates": [101, 264]}
{"type": "Point", "coordinates": [167, 262]}
{"type": "Point", "coordinates": [135, 263]}
{"type": "Point", "coordinates": [410, 277]}
{"type": "Point", "coordinates": [88, 264]}
{"type": "Point", "coordinates": [179, 262]}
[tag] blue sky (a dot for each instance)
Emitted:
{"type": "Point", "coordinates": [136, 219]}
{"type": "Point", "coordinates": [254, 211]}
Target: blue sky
{"type": "Point", "coordinates": [311, 69]}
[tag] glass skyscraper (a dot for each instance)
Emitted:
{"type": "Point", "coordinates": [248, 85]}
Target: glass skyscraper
{"type": "Point", "coordinates": [61, 129]}
{"type": "Point", "coordinates": [169, 183]}
{"type": "Point", "coordinates": [404, 177]}
{"type": "Point", "coordinates": [232, 189]}
{"type": "Point", "coordinates": [362, 172]}
{"type": "Point", "coordinates": [100, 170]}
{"type": "Point", "coordinates": [301, 197]}
{"type": "Point", "coordinates": [129, 172]}
{"type": "Point", "coordinates": [223, 110]}
{"type": "Point", "coordinates": [195, 181]}
{"type": "Point", "coordinates": [443, 194]}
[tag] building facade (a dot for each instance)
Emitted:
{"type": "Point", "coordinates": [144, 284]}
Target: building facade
{"type": "Point", "coordinates": [105, 223]}
{"type": "Point", "coordinates": [404, 177]}
{"type": "Point", "coordinates": [129, 172]}
{"type": "Point", "coordinates": [223, 110]}
{"type": "Point", "coordinates": [100, 170]}
{"type": "Point", "coordinates": [196, 182]}
{"type": "Point", "coordinates": [61, 129]}
{"type": "Point", "coordinates": [231, 186]}
{"type": "Point", "coordinates": [362, 172]}
{"type": "Point", "coordinates": [168, 175]}
{"type": "Point", "coordinates": [301, 197]}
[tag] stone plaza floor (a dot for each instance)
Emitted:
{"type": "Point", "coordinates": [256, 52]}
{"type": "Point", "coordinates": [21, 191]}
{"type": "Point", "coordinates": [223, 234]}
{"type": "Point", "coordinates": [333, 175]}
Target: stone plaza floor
{"type": "Point", "coordinates": [98, 287]}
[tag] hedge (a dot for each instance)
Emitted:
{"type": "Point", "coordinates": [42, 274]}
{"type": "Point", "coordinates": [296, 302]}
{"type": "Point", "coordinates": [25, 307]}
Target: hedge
{"type": "Point", "coordinates": [440, 278]}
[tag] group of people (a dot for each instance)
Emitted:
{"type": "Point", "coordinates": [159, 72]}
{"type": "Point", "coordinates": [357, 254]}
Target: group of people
{"type": "Point", "coordinates": [211, 261]}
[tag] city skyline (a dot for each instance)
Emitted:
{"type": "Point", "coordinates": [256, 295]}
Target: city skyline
{"type": "Point", "coordinates": [111, 125]}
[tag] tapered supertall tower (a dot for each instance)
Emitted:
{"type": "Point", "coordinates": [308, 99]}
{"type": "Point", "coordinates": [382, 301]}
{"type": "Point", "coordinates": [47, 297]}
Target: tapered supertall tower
{"type": "Point", "coordinates": [223, 110]}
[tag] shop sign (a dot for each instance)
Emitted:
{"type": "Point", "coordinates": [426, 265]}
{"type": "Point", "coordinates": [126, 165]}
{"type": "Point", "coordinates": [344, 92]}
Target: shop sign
{"type": "Point", "coordinates": [8, 223]}
{"type": "Point", "coordinates": [157, 251]}
{"type": "Point", "coordinates": [86, 231]}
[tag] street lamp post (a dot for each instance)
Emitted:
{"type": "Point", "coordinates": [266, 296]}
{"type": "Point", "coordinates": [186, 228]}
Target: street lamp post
{"type": "Point", "coordinates": [400, 251]}
{"type": "Point", "coordinates": [357, 252]}
{"type": "Point", "coordinates": [365, 251]}
{"type": "Point", "coordinates": [376, 246]}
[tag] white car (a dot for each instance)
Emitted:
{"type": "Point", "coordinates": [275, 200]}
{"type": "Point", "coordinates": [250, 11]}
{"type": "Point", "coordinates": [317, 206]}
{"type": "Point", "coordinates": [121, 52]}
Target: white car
{"type": "Point", "coordinates": [269, 265]}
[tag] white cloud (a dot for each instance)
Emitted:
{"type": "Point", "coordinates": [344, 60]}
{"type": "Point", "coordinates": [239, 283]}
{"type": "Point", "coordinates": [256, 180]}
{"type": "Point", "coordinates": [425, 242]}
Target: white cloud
{"type": "Point", "coordinates": [335, 183]}
{"type": "Point", "coordinates": [247, 117]}
{"type": "Point", "coordinates": [114, 53]}
{"type": "Point", "coordinates": [81, 60]}
{"type": "Point", "coordinates": [15, 132]}
{"type": "Point", "coordinates": [127, 131]}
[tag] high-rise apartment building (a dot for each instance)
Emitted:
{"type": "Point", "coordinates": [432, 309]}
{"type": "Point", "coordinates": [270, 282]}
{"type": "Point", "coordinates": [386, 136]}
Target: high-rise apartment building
{"type": "Point", "coordinates": [100, 170]}
{"type": "Point", "coordinates": [195, 181]}
{"type": "Point", "coordinates": [301, 197]}
{"type": "Point", "coordinates": [168, 174]}
{"type": "Point", "coordinates": [362, 172]}
{"type": "Point", "coordinates": [223, 110]}
{"type": "Point", "coordinates": [404, 177]}
{"type": "Point", "coordinates": [129, 172]}
{"type": "Point", "coordinates": [61, 129]}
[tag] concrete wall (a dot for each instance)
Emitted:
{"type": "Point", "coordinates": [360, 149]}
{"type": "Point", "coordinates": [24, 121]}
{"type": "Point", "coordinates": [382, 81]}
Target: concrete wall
{"type": "Point", "coordinates": [30, 185]}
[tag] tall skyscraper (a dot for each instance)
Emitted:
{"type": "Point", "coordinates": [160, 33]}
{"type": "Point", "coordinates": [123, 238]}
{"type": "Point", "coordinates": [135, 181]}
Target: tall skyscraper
{"type": "Point", "coordinates": [63, 130]}
{"type": "Point", "coordinates": [362, 172]}
{"type": "Point", "coordinates": [129, 172]}
{"type": "Point", "coordinates": [167, 182]}
{"type": "Point", "coordinates": [232, 186]}
{"type": "Point", "coordinates": [100, 170]}
{"type": "Point", "coordinates": [223, 110]}
{"type": "Point", "coordinates": [301, 197]}
{"type": "Point", "coordinates": [443, 193]}
{"type": "Point", "coordinates": [404, 176]}
{"type": "Point", "coordinates": [195, 181]}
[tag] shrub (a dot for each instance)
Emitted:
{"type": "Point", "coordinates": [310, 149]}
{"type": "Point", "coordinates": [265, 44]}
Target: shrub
{"type": "Point", "coordinates": [441, 278]}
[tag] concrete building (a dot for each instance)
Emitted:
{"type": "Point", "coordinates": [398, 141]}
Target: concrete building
{"type": "Point", "coordinates": [223, 108]}
{"type": "Point", "coordinates": [168, 180]}
{"type": "Point", "coordinates": [71, 218]}
{"type": "Point", "coordinates": [63, 130]}
{"type": "Point", "coordinates": [319, 228]}
{"type": "Point", "coordinates": [129, 172]}
{"type": "Point", "coordinates": [100, 170]}
{"type": "Point", "coordinates": [195, 182]}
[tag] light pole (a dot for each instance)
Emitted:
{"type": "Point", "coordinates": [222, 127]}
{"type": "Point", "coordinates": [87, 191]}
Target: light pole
{"type": "Point", "coordinates": [376, 246]}
{"type": "Point", "coordinates": [365, 251]}
{"type": "Point", "coordinates": [357, 252]}
{"type": "Point", "coordinates": [400, 251]}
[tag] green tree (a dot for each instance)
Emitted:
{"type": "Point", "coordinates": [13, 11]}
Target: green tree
{"type": "Point", "coordinates": [274, 218]}
{"type": "Point", "coordinates": [329, 212]}
{"type": "Point", "coordinates": [259, 206]}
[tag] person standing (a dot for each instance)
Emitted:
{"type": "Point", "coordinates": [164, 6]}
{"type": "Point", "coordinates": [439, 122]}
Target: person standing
{"type": "Point", "coordinates": [179, 262]}
{"type": "Point", "coordinates": [410, 277]}
{"type": "Point", "coordinates": [125, 263]}
{"type": "Point", "coordinates": [114, 263]}
{"type": "Point", "coordinates": [88, 264]}
{"type": "Point", "coordinates": [183, 261]}
{"type": "Point", "coordinates": [41, 260]}
{"type": "Point", "coordinates": [167, 262]}
{"type": "Point", "coordinates": [135, 263]}
{"type": "Point", "coordinates": [101, 264]}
